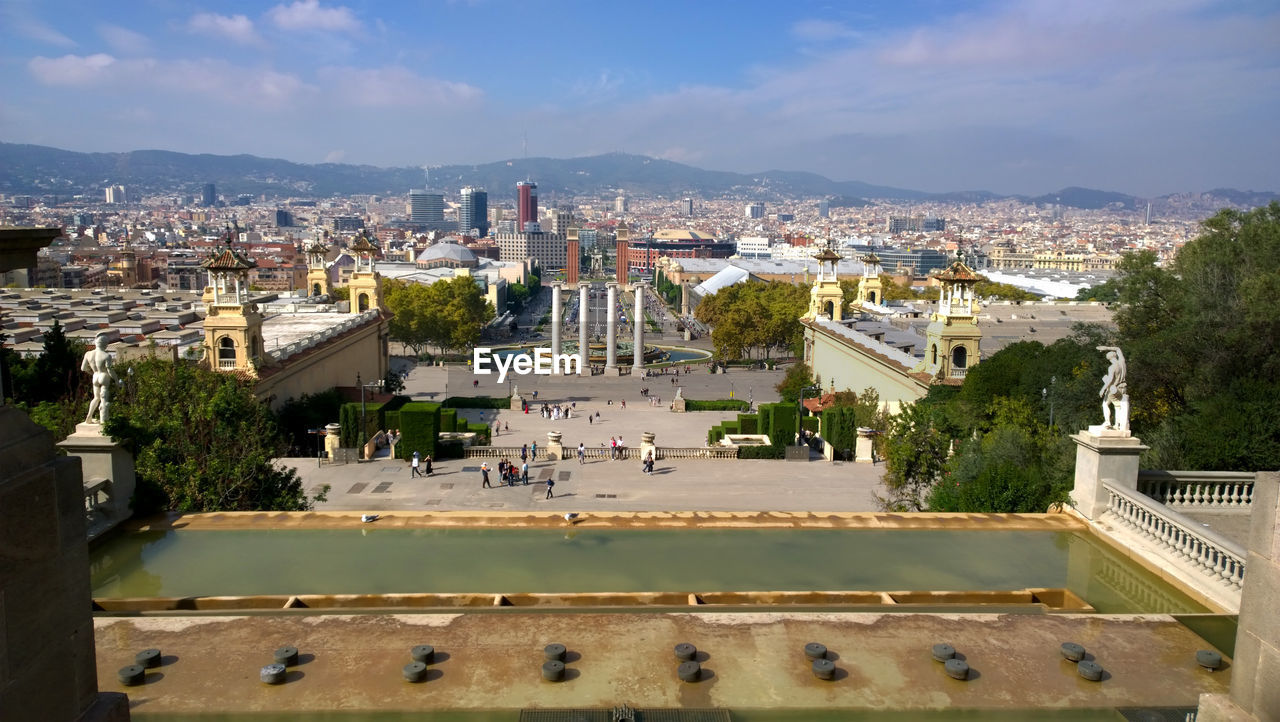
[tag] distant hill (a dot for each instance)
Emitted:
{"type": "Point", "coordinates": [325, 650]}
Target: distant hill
{"type": "Point", "coordinates": [40, 170]}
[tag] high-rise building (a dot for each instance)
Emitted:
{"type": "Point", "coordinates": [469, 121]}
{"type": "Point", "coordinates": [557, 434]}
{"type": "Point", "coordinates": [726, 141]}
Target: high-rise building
{"type": "Point", "coordinates": [620, 205]}
{"type": "Point", "coordinates": [426, 207]}
{"type": "Point", "coordinates": [526, 204]}
{"type": "Point", "coordinates": [754, 211]}
{"type": "Point", "coordinates": [686, 206]}
{"type": "Point", "coordinates": [209, 197]}
{"type": "Point", "coordinates": [916, 224]}
{"type": "Point", "coordinates": [117, 194]}
{"type": "Point", "coordinates": [473, 211]}
{"type": "Point", "coordinates": [1148, 214]}
{"type": "Point", "coordinates": [284, 219]}
{"type": "Point", "coordinates": [824, 208]}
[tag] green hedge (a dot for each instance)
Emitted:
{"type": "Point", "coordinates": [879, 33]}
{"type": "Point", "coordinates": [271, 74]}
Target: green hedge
{"type": "Point", "coordinates": [478, 402]}
{"type": "Point", "coordinates": [419, 423]}
{"type": "Point", "coordinates": [448, 420]}
{"type": "Point", "coordinates": [484, 433]}
{"type": "Point", "coordinates": [719, 405]}
{"type": "Point", "coordinates": [715, 434]}
{"type": "Point", "coordinates": [311, 411]}
{"type": "Point", "coordinates": [782, 422]}
{"type": "Point", "coordinates": [449, 450]}
{"type": "Point", "coordinates": [761, 452]}
{"type": "Point", "coordinates": [840, 427]}
{"type": "Point", "coordinates": [749, 423]}
{"type": "Point", "coordinates": [809, 423]}
{"type": "Point", "coordinates": [731, 427]}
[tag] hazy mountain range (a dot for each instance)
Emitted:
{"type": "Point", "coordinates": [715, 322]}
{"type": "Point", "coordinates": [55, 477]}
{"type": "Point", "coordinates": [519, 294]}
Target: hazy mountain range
{"type": "Point", "coordinates": [40, 170]}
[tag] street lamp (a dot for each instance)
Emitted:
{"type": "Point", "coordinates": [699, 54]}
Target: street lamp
{"type": "Point", "coordinates": [1044, 395]}
{"type": "Point", "coordinates": [799, 406]}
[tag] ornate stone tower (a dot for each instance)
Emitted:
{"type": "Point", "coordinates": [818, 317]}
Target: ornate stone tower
{"type": "Point", "coordinates": [232, 324]}
{"type": "Point", "coordinates": [365, 283]}
{"type": "Point", "coordinates": [870, 291]}
{"type": "Point", "coordinates": [317, 271]}
{"type": "Point", "coordinates": [128, 266]}
{"type": "Point", "coordinates": [952, 335]}
{"type": "Point", "coordinates": [826, 297]}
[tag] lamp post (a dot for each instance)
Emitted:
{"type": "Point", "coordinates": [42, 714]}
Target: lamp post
{"type": "Point", "coordinates": [799, 406]}
{"type": "Point", "coordinates": [1044, 395]}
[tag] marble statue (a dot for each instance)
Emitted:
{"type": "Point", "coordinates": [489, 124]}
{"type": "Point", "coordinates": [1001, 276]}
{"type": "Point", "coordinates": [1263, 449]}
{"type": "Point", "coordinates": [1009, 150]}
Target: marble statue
{"type": "Point", "coordinates": [98, 362]}
{"type": "Point", "coordinates": [679, 392]}
{"type": "Point", "coordinates": [1115, 391]}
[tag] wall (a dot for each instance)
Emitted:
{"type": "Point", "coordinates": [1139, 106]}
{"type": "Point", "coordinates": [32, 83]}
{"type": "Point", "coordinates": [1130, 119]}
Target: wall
{"type": "Point", "coordinates": [1255, 681]}
{"type": "Point", "coordinates": [854, 370]}
{"type": "Point", "coordinates": [335, 362]}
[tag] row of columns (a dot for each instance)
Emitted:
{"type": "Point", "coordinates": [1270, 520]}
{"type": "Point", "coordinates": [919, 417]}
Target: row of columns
{"type": "Point", "coordinates": [611, 325]}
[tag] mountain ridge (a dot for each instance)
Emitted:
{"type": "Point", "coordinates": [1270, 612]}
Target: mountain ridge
{"type": "Point", "coordinates": [43, 170]}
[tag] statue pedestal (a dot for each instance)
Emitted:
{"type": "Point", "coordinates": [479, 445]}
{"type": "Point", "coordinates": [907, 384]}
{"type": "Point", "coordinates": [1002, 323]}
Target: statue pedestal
{"type": "Point", "coordinates": [864, 447]}
{"type": "Point", "coordinates": [555, 449]}
{"type": "Point", "coordinates": [1103, 453]}
{"type": "Point", "coordinates": [678, 404]}
{"type": "Point", "coordinates": [647, 445]}
{"type": "Point", "coordinates": [517, 403]}
{"type": "Point", "coordinates": [108, 469]}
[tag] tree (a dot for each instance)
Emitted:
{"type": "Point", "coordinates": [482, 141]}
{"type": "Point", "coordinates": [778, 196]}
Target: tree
{"type": "Point", "coordinates": [798, 376]}
{"type": "Point", "coordinates": [1003, 291]}
{"type": "Point", "coordinates": [915, 458]}
{"type": "Point", "coordinates": [754, 317]}
{"type": "Point", "coordinates": [201, 441]}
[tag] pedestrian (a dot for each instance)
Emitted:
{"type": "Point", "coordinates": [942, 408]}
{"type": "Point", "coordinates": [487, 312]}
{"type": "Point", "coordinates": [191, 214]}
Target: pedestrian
{"type": "Point", "coordinates": [413, 466]}
{"type": "Point", "coordinates": [648, 463]}
{"type": "Point", "coordinates": [484, 474]}
{"type": "Point", "coordinates": [589, 420]}
{"type": "Point", "coordinates": [550, 483]}
{"type": "Point", "coordinates": [502, 470]}
{"type": "Point", "coordinates": [624, 403]}
{"type": "Point", "coordinates": [505, 428]}
{"type": "Point", "coordinates": [524, 452]}
{"type": "Point", "coordinates": [428, 465]}
{"type": "Point", "coordinates": [533, 450]}
{"type": "Point", "coordinates": [582, 453]}
{"type": "Point", "coordinates": [613, 448]}
{"type": "Point", "coordinates": [524, 473]}
{"type": "Point", "coordinates": [497, 426]}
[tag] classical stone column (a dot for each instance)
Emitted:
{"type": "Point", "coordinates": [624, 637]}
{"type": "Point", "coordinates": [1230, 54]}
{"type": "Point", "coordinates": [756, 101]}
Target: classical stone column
{"type": "Point", "coordinates": [637, 323]}
{"type": "Point", "coordinates": [611, 326]}
{"type": "Point", "coordinates": [584, 346]}
{"type": "Point", "coordinates": [1103, 454]}
{"type": "Point", "coordinates": [684, 298]}
{"type": "Point", "coordinates": [556, 313]}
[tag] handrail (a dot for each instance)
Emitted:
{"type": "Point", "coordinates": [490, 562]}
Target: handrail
{"type": "Point", "coordinates": [1215, 490]}
{"type": "Point", "coordinates": [1216, 556]}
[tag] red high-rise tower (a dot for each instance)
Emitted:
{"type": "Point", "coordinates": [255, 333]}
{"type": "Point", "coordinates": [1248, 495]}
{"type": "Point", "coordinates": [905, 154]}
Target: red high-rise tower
{"type": "Point", "coordinates": [527, 204]}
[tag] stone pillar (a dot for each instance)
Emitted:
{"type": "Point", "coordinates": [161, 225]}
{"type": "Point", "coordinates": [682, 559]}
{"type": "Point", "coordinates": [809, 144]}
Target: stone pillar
{"type": "Point", "coordinates": [647, 445]}
{"type": "Point", "coordinates": [1255, 677]}
{"type": "Point", "coordinates": [1103, 454]}
{"type": "Point", "coordinates": [637, 324]}
{"type": "Point", "coordinates": [557, 311]}
{"type": "Point", "coordinates": [611, 326]}
{"type": "Point", "coordinates": [102, 459]}
{"type": "Point", "coordinates": [584, 342]}
{"type": "Point", "coordinates": [555, 449]}
{"type": "Point", "coordinates": [332, 442]}
{"type": "Point", "coordinates": [684, 298]}
{"type": "Point", "coordinates": [864, 448]}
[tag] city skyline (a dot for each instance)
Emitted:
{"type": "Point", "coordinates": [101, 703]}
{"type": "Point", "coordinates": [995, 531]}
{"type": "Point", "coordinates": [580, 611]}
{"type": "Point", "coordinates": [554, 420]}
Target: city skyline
{"type": "Point", "coordinates": [1148, 98]}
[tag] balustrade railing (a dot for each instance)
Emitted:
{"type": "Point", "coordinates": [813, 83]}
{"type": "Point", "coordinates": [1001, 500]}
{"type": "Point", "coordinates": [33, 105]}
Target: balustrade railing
{"type": "Point", "coordinates": [1215, 556]}
{"type": "Point", "coordinates": [596, 452]}
{"type": "Point", "coordinates": [698, 452]}
{"type": "Point", "coordinates": [1200, 490]}
{"type": "Point", "coordinates": [501, 452]}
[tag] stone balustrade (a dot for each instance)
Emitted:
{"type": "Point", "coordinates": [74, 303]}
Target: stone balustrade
{"type": "Point", "coordinates": [1216, 558]}
{"type": "Point", "coordinates": [501, 452]}
{"type": "Point", "coordinates": [714, 453]}
{"type": "Point", "coordinates": [1199, 490]}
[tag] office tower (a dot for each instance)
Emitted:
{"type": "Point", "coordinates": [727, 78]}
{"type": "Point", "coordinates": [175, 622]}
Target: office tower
{"type": "Point", "coordinates": [209, 197]}
{"type": "Point", "coordinates": [1148, 214]}
{"type": "Point", "coordinates": [526, 204]}
{"type": "Point", "coordinates": [824, 208]}
{"type": "Point", "coordinates": [116, 194]}
{"type": "Point", "coordinates": [473, 211]}
{"type": "Point", "coordinates": [686, 206]}
{"type": "Point", "coordinates": [754, 211]}
{"type": "Point", "coordinates": [620, 204]}
{"type": "Point", "coordinates": [557, 220]}
{"type": "Point", "coordinates": [347, 223]}
{"type": "Point", "coordinates": [425, 206]}
{"type": "Point", "coordinates": [284, 219]}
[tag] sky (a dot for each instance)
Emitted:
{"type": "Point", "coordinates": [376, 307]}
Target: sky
{"type": "Point", "coordinates": [1139, 96]}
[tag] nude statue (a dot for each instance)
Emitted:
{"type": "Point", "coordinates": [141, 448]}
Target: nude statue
{"type": "Point", "coordinates": [1115, 391]}
{"type": "Point", "coordinates": [98, 362]}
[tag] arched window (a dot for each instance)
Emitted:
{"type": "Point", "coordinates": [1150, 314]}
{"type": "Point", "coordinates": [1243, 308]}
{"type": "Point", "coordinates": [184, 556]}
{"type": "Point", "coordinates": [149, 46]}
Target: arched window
{"type": "Point", "coordinates": [831, 309]}
{"type": "Point", "coordinates": [871, 296]}
{"type": "Point", "coordinates": [315, 290]}
{"type": "Point", "coordinates": [959, 357]}
{"type": "Point", "coordinates": [363, 302]}
{"type": "Point", "coordinates": [933, 350]}
{"type": "Point", "coordinates": [226, 353]}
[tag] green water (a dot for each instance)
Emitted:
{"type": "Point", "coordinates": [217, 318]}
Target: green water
{"type": "Point", "coordinates": [374, 561]}
{"type": "Point", "coordinates": [844, 715]}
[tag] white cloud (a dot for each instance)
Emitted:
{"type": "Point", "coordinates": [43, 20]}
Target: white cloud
{"type": "Point", "coordinates": [71, 69]}
{"type": "Point", "coordinates": [123, 40]}
{"type": "Point", "coordinates": [820, 31]}
{"type": "Point", "coordinates": [18, 17]}
{"type": "Point", "coordinates": [394, 86]}
{"type": "Point", "coordinates": [309, 15]}
{"type": "Point", "coordinates": [233, 27]}
{"type": "Point", "coordinates": [335, 156]}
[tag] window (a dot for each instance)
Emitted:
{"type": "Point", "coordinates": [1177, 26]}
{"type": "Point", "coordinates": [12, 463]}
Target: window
{"type": "Point", "coordinates": [226, 353]}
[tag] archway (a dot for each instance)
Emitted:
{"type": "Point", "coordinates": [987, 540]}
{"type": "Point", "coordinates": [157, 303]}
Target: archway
{"type": "Point", "coordinates": [315, 289]}
{"type": "Point", "coordinates": [363, 302]}
{"type": "Point", "coordinates": [226, 353]}
{"type": "Point", "coordinates": [959, 357]}
{"type": "Point", "coordinates": [830, 308]}
{"type": "Point", "coordinates": [933, 354]}
{"type": "Point", "coordinates": [871, 296]}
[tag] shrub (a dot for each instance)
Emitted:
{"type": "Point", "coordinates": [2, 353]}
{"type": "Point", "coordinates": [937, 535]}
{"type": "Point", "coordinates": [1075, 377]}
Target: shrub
{"type": "Point", "coordinates": [448, 420]}
{"type": "Point", "coordinates": [749, 423]}
{"type": "Point", "coordinates": [774, 451]}
{"type": "Point", "coordinates": [449, 450]}
{"type": "Point", "coordinates": [730, 427]}
{"type": "Point", "coordinates": [311, 411]}
{"type": "Point", "coordinates": [809, 423]}
{"type": "Point", "coordinates": [478, 402]}
{"type": "Point", "coordinates": [419, 423]}
{"type": "Point", "coordinates": [718, 405]}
